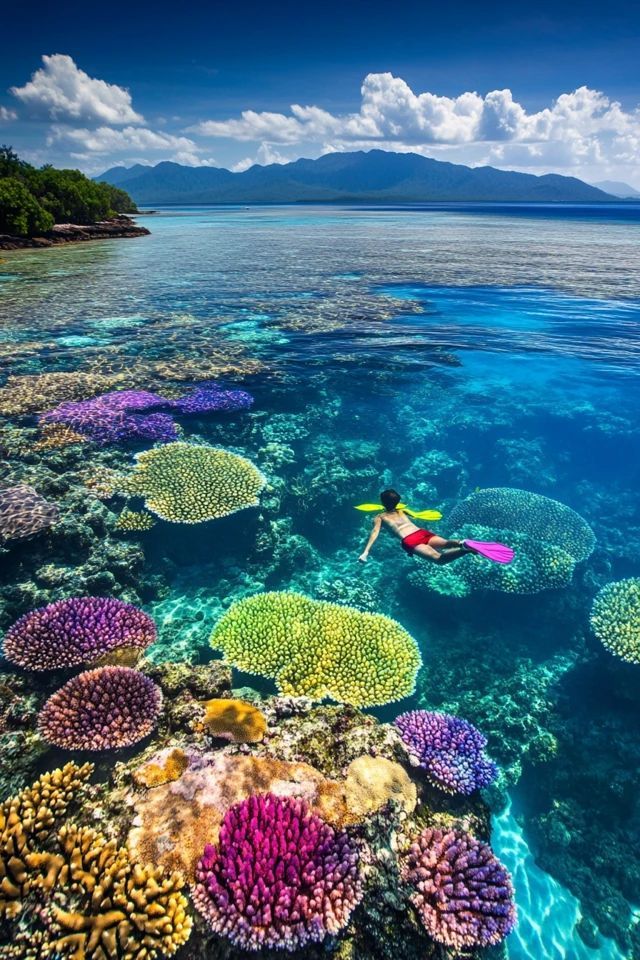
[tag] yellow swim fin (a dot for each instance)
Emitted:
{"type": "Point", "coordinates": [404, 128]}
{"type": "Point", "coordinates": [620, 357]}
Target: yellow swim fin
{"type": "Point", "coordinates": [369, 507]}
{"type": "Point", "coordinates": [418, 514]}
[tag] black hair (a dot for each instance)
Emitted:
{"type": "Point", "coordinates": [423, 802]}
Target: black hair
{"type": "Point", "coordinates": [390, 499]}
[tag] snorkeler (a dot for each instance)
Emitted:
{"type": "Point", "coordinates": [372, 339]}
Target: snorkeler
{"type": "Point", "coordinates": [424, 543]}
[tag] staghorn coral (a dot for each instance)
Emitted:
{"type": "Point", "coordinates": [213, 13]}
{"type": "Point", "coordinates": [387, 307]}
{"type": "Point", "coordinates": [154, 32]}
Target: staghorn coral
{"type": "Point", "coordinates": [449, 749]}
{"type": "Point", "coordinates": [101, 709]}
{"type": "Point", "coordinates": [75, 631]}
{"type": "Point", "coordinates": [23, 512]}
{"type": "Point", "coordinates": [615, 618]}
{"type": "Point", "coordinates": [27, 819]}
{"type": "Point", "coordinates": [462, 893]}
{"type": "Point", "coordinates": [54, 435]}
{"type": "Point", "coordinates": [189, 483]}
{"type": "Point", "coordinates": [134, 521]}
{"type": "Point", "coordinates": [319, 649]}
{"type": "Point", "coordinates": [279, 876]}
{"type": "Point", "coordinates": [541, 518]}
{"type": "Point", "coordinates": [31, 394]}
{"type": "Point", "coordinates": [234, 720]}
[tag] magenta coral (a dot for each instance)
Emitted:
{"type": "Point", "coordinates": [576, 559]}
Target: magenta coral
{"type": "Point", "coordinates": [462, 892]}
{"type": "Point", "coordinates": [76, 631]}
{"type": "Point", "coordinates": [101, 710]}
{"type": "Point", "coordinates": [449, 749]}
{"type": "Point", "coordinates": [279, 876]}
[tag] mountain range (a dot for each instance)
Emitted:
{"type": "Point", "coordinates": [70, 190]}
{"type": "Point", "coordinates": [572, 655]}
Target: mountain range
{"type": "Point", "coordinates": [376, 176]}
{"type": "Point", "coordinates": [618, 189]}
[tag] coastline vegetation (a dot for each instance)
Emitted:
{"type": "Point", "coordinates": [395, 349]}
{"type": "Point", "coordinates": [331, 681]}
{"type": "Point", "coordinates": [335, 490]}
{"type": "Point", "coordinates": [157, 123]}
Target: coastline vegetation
{"type": "Point", "coordinates": [33, 199]}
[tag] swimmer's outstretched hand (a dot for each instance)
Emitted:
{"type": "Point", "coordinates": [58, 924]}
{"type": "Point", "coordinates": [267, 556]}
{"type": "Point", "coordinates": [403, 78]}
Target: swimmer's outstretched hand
{"type": "Point", "coordinates": [363, 557]}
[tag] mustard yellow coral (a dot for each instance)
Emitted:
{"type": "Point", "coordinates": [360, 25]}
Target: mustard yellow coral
{"type": "Point", "coordinates": [234, 720]}
{"type": "Point", "coordinates": [615, 618]}
{"type": "Point", "coordinates": [134, 520]}
{"type": "Point", "coordinates": [318, 649]}
{"type": "Point", "coordinates": [38, 392]}
{"type": "Point", "coordinates": [191, 483]}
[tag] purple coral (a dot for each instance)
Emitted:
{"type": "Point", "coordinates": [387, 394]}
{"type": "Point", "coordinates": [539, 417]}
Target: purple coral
{"type": "Point", "coordinates": [210, 396]}
{"type": "Point", "coordinates": [107, 418]}
{"type": "Point", "coordinates": [77, 630]}
{"type": "Point", "coordinates": [462, 892]}
{"type": "Point", "coordinates": [279, 876]}
{"type": "Point", "coordinates": [101, 710]}
{"type": "Point", "coordinates": [449, 749]}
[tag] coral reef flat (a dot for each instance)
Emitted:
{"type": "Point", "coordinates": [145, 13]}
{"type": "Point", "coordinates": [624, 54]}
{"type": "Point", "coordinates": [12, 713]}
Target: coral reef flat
{"type": "Point", "coordinates": [187, 425]}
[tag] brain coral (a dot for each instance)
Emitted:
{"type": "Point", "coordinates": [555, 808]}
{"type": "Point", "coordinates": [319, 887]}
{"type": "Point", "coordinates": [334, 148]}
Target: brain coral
{"type": "Point", "coordinates": [450, 749]}
{"type": "Point", "coordinates": [188, 483]}
{"type": "Point", "coordinates": [319, 649]}
{"type": "Point", "coordinates": [23, 512]}
{"type": "Point", "coordinates": [101, 709]}
{"type": "Point", "coordinates": [615, 618]}
{"type": "Point", "coordinates": [461, 891]}
{"type": "Point", "coordinates": [76, 631]}
{"type": "Point", "coordinates": [529, 513]}
{"type": "Point", "coordinates": [279, 877]}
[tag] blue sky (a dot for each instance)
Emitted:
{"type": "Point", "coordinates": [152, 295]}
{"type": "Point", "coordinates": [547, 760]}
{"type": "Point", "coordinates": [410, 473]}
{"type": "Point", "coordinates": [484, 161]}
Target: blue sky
{"type": "Point", "coordinates": [536, 87]}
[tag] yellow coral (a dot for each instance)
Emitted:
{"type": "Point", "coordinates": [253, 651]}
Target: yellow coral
{"type": "Point", "coordinates": [615, 618]}
{"type": "Point", "coordinates": [190, 483]}
{"type": "Point", "coordinates": [234, 720]}
{"type": "Point", "coordinates": [54, 435]}
{"type": "Point", "coordinates": [134, 520]}
{"type": "Point", "coordinates": [165, 767]}
{"type": "Point", "coordinates": [319, 649]}
{"type": "Point", "coordinates": [35, 393]}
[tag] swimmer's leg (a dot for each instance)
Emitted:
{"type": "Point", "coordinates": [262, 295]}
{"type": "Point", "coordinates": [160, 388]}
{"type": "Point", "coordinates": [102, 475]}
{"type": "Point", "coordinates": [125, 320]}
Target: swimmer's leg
{"type": "Point", "coordinates": [445, 556]}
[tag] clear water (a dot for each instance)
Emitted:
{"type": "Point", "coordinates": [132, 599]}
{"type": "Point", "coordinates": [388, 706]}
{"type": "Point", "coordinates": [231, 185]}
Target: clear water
{"type": "Point", "coordinates": [434, 350]}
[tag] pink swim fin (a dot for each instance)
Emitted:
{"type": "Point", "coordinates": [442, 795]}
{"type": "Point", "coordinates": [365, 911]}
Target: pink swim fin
{"type": "Point", "coordinates": [492, 551]}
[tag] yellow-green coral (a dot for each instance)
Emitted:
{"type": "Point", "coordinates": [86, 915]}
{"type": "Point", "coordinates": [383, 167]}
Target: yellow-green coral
{"type": "Point", "coordinates": [34, 393]}
{"type": "Point", "coordinates": [131, 521]}
{"type": "Point", "coordinates": [191, 483]}
{"type": "Point", "coordinates": [615, 618]}
{"type": "Point", "coordinates": [318, 649]}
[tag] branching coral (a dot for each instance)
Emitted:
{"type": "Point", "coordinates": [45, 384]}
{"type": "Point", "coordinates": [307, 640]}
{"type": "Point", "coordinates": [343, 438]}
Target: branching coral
{"type": "Point", "coordinates": [115, 416]}
{"type": "Point", "coordinates": [541, 518]}
{"type": "Point", "coordinates": [134, 521]}
{"type": "Point", "coordinates": [101, 709]}
{"type": "Point", "coordinates": [30, 394]}
{"type": "Point", "coordinates": [615, 618]}
{"type": "Point", "coordinates": [279, 876]}
{"type": "Point", "coordinates": [449, 749]}
{"type": "Point", "coordinates": [188, 483]}
{"type": "Point", "coordinates": [208, 397]}
{"type": "Point", "coordinates": [318, 649]}
{"type": "Point", "coordinates": [461, 891]}
{"type": "Point", "coordinates": [75, 631]}
{"type": "Point", "coordinates": [23, 512]}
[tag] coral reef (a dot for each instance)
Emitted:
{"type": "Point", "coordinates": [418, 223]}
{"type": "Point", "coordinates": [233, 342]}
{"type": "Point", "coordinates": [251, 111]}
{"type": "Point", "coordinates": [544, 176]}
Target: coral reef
{"type": "Point", "coordinates": [278, 877]}
{"type": "Point", "coordinates": [23, 512]}
{"type": "Point", "coordinates": [449, 749]}
{"type": "Point", "coordinates": [319, 649]}
{"type": "Point", "coordinates": [209, 397]}
{"type": "Point", "coordinates": [101, 709]}
{"type": "Point", "coordinates": [188, 483]}
{"type": "Point", "coordinates": [462, 893]}
{"type": "Point", "coordinates": [31, 394]}
{"type": "Point", "coordinates": [76, 631]}
{"type": "Point", "coordinates": [234, 720]}
{"type": "Point", "coordinates": [109, 417]}
{"type": "Point", "coordinates": [615, 618]}
{"type": "Point", "coordinates": [134, 521]}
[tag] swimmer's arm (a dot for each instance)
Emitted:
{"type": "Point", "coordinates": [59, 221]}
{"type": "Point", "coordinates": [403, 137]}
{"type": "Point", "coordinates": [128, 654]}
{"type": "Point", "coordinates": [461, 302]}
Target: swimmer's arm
{"type": "Point", "coordinates": [373, 536]}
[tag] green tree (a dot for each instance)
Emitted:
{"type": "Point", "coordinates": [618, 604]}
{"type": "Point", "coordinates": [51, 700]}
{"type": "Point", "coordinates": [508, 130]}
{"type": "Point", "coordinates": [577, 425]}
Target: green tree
{"type": "Point", "coordinates": [20, 212]}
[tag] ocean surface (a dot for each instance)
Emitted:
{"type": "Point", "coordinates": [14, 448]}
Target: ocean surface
{"type": "Point", "coordinates": [440, 351]}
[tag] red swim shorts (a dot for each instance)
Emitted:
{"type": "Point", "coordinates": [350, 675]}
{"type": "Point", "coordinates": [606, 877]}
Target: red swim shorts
{"type": "Point", "coordinates": [414, 539]}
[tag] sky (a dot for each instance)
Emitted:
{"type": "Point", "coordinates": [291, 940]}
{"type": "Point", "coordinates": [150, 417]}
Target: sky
{"type": "Point", "coordinates": [540, 87]}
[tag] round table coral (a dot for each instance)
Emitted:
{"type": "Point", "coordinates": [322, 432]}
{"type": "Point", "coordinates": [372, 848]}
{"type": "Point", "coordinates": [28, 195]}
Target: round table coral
{"type": "Point", "coordinates": [615, 618]}
{"type": "Point", "coordinates": [76, 631]}
{"type": "Point", "coordinates": [101, 709]}
{"type": "Point", "coordinates": [279, 877]}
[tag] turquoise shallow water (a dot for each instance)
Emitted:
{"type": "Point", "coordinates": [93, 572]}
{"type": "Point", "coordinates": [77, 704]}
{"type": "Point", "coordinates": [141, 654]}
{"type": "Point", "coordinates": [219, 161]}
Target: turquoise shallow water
{"type": "Point", "coordinates": [435, 351]}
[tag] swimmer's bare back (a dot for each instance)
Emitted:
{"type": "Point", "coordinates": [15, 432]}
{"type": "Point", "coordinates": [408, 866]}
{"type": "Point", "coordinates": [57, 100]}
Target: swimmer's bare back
{"type": "Point", "coordinates": [414, 539]}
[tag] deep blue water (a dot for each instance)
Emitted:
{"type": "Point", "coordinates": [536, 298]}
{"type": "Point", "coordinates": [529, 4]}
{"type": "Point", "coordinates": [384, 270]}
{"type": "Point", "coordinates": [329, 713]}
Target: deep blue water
{"type": "Point", "coordinates": [438, 350]}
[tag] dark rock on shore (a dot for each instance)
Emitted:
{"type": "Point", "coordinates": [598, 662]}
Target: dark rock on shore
{"type": "Point", "coordinates": [118, 227]}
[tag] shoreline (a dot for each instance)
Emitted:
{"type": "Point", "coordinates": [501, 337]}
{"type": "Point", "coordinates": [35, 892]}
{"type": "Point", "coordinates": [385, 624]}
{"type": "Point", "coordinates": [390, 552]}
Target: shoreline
{"type": "Point", "coordinates": [120, 227]}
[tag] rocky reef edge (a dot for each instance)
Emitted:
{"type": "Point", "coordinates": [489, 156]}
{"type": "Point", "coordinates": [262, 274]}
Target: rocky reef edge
{"type": "Point", "coordinates": [115, 228]}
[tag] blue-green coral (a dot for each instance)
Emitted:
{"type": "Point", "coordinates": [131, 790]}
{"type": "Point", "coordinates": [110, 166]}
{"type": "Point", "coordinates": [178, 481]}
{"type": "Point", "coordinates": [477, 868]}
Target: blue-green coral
{"type": "Point", "coordinates": [541, 518]}
{"type": "Point", "coordinates": [191, 483]}
{"type": "Point", "coordinates": [615, 618]}
{"type": "Point", "coordinates": [318, 649]}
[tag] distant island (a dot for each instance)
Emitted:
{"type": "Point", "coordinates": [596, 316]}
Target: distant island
{"type": "Point", "coordinates": [618, 189]}
{"type": "Point", "coordinates": [40, 207]}
{"type": "Point", "coordinates": [376, 176]}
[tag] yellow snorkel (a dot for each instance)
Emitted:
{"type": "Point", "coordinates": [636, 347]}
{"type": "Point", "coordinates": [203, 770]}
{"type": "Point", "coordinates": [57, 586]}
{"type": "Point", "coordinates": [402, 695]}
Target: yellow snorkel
{"type": "Point", "coordinates": [416, 514]}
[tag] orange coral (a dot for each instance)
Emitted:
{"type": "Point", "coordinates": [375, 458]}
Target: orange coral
{"type": "Point", "coordinates": [53, 435]}
{"type": "Point", "coordinates": [165, 767]}
{"type": "Point", "coordinates": [234, 720]}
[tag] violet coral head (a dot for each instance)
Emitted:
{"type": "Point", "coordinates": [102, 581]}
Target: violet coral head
{"type": "Point", "coordinates": [279, 876]}
{"type": "Point", "coordinates": [462, 892]}
{"type": "Point", "coordinates": [449, 749]}
{"type": "Point", "coordinates": [108, 418]}
{"type": "Point", "coordinates": [75, 631]}
{"type": "Point", "coordinates": [210, 397]}
{"type": "Point", "coordinates": [101, 709]}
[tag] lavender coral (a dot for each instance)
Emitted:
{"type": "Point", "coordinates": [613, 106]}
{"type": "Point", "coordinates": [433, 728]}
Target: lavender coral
{"type": "Point", "coordinates": [109, 418]}
{"type": "Point", "coordinates": [279, 876]}
{"type": "Point", "coordinates": [101, 710]}
{"type": "Point", "coordinates": [76, 631]}
{"type": "Point", "coordinates": [208, 397]}
{"type": "Point", "coordinates": [449, 749]}
{"type": "Point", "coordinates": [462, 892]}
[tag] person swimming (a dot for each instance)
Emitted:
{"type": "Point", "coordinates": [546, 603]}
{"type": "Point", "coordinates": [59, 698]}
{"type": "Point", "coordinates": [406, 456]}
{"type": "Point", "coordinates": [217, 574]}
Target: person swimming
{"type": "Point", "coordinates": [425, 543]}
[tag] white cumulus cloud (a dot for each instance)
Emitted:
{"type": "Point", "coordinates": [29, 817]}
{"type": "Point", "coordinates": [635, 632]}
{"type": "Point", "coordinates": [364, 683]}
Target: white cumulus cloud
{"type": "Point", "coordinates": [6, 115]}
{"type": "Point", "coordinates": [105, 140]}
{"type": "Point", "coordinates": [62, 91]}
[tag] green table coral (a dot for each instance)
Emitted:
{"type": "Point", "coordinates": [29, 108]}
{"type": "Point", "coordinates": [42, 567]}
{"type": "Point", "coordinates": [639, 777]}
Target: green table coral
{"type": "Point", "coordinates": [191, 483]}
{"type": "Point", "coordinates": [615, 618]}
{"type": "Point", "coordinates": [318, 649]}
